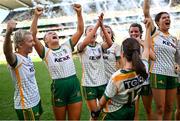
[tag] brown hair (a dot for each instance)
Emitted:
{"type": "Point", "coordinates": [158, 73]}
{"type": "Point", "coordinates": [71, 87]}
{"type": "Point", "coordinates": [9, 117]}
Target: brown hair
{"type": "Point", "coordinates": [137, 25]}
{"type": "Point", "coordinates": [158, 16]}
{"type": "Point", "coordinates": [112, 36]}
{"type": "Point", "coordinates": [131, 50]}
{"type": "Point", "coordinates": [85, 32]}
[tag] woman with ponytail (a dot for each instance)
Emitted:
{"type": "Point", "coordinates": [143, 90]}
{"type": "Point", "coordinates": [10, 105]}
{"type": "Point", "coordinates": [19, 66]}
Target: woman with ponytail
{"type": "Point", "coordinates": [125, 84]}
{"type": "Point", "coordinates": [136, 31]}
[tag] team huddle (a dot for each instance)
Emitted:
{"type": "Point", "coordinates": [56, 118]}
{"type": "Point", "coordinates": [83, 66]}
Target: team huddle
{"type": "Point", "coordinates": [113, 76]}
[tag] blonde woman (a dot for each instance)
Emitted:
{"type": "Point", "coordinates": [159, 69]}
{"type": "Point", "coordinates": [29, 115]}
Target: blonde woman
{"type": "Point", "coordinates": [26, 96]}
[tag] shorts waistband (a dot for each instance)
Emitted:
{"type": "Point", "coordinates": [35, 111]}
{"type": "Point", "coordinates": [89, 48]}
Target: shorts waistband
{"type": "Point", "coordinates": [69, 77]}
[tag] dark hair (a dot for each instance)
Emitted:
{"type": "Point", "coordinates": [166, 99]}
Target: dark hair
{"type": "Point", "coordinates": [85, 32]}
{"type": "Point", "coordinates": [137, 25]}
{"type": "Point", "coordinates": [44, 38]}
{"type": "Point", "coordinates": [131, 50]}
{"type": "Point", "coordinates": [112, 36]}
{"type": "Point", "coordinates": [158, 16]}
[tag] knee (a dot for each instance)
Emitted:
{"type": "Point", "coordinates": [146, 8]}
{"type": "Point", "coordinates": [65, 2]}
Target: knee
{"type": "Point", "coordinates": [178, 107]}
{"type": "Point", "coordinates": [160, 109]}
{"type": "Point", "coordinates": [169, 108]}
{"type": "Point", "coordinates": [178, 111]}
{"type": "Point", "coordinates": [148, 110]}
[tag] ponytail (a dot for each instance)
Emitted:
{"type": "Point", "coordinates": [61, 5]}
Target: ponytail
{"type": "Point", "coordinates": [131, 49]}
{"type": "Point", "coordinates": [138, 65]}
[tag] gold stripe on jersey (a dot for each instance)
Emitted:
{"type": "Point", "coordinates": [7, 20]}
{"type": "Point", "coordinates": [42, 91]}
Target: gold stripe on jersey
{"type": "Point", "coordinates": [151, 66]}
{"type": "Point", "coordinates": [104, 116]}
{"type": "Point", "coordinates": [155, 80]}
{"type": "Point", "coordinates": [32, 114]}
{"type": "Point", "coordinates": [19, 65]}
{"type": "Point", "coordinates": [28, 114]}
{"type": "Point", "coordinates": [153, 43]}
{"type": "Point", "coordinates": [122, 77]}
{"type": "Point", "coordinates": [20, 86]}
{"type": "Point", "coordinates": [45, 59]}
{"type": "Point", "coordinates": [25, 114]}
{"type": "Point", "coordinates": [82, 78]}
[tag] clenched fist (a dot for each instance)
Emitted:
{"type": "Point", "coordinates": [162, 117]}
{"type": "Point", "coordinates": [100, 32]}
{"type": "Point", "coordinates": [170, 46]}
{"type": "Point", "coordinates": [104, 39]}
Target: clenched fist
{"type": "Point", "coordinates": [77, 8]}
{"type": "Point", "coordinates": [38, 10]}
{"type": "Point", "coordinates": [11, 25]}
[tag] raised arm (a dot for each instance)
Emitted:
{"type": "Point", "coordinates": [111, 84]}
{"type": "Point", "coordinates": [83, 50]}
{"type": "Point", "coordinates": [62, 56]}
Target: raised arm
{"type": "Point", "coordinates": [146, 8]}
{"type": "Point", "coordinates": [146, 11]}
{"type": "Point", "coordinates": [152, 55]}
{"type": "Point", "coordinates": [7, 46]}
{"type": "Point", "coordinates": [108, 42]}
{"type": "Point", "coordinates": [89, 37]}
{"type": "Point", "coordinates": [177, 54]}
{"type": "Point", "coordinates": [80, 27]}
{"type": "Point", "coordinates": [38, 46]}
{"type": "Point", "coordinates": [145, 54]}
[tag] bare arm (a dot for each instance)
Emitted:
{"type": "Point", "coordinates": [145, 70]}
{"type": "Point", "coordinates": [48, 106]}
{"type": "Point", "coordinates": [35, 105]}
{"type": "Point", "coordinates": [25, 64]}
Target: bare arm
{"type": "Point", "coordinates": [89, 38]}
{"type": "Point", "coordinates": [146, 11]}
{"type": "Point", "coordinates": [119, 64]}
{"type": "Point", "coordinates": [145, 54]}
{"type": "Point", "coordinates": [108, 41]}
{"type": "Point", "coordinates": [38, 46]}
{"type": "Point", "coordinates": [7, 46]}
{"type": "Point", "coordinates": [152, 55]}
{"type": "Point", "coordinates": [80, 28]}
{"type": "Point", "coordinates": [146, 8]}
{"type": "Point", "coordinates": [102, 102]}
{"type": "Point", "coordinates": [118, 57]}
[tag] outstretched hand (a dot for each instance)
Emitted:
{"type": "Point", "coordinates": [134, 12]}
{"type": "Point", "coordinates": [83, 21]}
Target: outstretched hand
{"type": "Point", "coordinates": [77, 8]}
{"type": "Point", "coordinates": [11, 25]}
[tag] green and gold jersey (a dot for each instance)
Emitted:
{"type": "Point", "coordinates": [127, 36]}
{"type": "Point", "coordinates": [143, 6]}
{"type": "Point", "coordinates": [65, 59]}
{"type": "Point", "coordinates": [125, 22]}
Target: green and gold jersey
{"type": "Point", "coordinates": [123, 88]}
{"type": "Point", "coordinates": [60, 61]}
{"type": "Point", "coordinates": [111, 56]}
{"type": "Point", "coordinates": [26, 94]}
{"type": "Point", "coordinates": [93, 66]}
{"type": "Point", "coordinates": [164, 46]}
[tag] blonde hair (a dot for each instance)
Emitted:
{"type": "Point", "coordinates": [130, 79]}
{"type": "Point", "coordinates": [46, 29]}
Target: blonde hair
{"type": "Point", "coordinates": [19, 37]}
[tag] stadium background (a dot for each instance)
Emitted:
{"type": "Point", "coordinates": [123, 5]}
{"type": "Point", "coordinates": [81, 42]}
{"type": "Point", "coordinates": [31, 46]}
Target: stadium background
{"type": "Point", "coordinates": [60, 17]}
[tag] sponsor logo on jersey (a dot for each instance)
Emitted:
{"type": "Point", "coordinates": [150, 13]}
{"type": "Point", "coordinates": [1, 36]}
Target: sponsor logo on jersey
{"type": "Point", "coordinates": [31, 69]}
{"type": "Point", "coordinates": [61, 59]}
{"type": "Point", "coordinates": [90, 93]}
{"type": "Point", "coordinates": [94, 57]}
{"type": "Point", "coordinates": [169, 44]}
{"type": "Point", "coordinates": [161, 82]}
{"type": "Point", "coordinates": [58, 100]}
{"type": "Point", "coordinates": [131, 83]}
{"type": "Point", "coordinates": [105, 57]}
